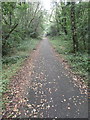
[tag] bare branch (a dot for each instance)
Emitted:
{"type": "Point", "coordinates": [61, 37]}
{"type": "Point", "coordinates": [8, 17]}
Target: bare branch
{"type": "Point", "coordinates": [11, 31]}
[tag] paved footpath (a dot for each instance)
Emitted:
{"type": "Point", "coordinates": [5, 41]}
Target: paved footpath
{"type": "Point", "coordinates": [52, 93]}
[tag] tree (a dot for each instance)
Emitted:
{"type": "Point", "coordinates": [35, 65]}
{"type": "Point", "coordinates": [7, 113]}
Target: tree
{"type": "Point", "coordinates": [20, 20]}
{"type": "Point", "coordinates": [73, 27]}
{"type": "Point", "coordinates": [71, 22]}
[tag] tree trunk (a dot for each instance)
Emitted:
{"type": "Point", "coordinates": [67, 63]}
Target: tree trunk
{"type": "Point", "coordinates": [11, 32]}
{"type": "Point", "coordinates": [10, 18]}
{"type": "Point", "coordinates": [73, 28]}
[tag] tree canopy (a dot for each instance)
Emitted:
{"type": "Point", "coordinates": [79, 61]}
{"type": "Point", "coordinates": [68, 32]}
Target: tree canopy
{"type": "Point", "coordinates": [20, 20]}
{"type": "Point", "coordinates": [71, 21]}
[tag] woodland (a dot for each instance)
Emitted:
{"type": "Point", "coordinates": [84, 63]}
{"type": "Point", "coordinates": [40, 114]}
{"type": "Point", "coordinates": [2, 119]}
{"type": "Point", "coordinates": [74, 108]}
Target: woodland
{"type": "Point", "coordinates": [24, 24]}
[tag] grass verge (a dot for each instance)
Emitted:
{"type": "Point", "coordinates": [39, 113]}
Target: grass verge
{"type": "Point", "coordinates": [78, 62]}
{"type": "Point", "coordinates": [11, 64]}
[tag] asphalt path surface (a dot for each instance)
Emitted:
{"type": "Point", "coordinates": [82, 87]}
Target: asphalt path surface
{"type": "Point", "coordinates": [51, 93]}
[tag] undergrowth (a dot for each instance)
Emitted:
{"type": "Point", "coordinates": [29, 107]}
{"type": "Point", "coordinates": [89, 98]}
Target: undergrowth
{"type": "Point", "coordinates": [11, 63]}
{"type": "Point", "coordinates": [78, 61]}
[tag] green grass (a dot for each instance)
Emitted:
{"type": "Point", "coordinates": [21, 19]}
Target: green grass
{"type": "Point", "coordinates": [12, 63]}
{"type": "Point", "coordinates": [78, 62]}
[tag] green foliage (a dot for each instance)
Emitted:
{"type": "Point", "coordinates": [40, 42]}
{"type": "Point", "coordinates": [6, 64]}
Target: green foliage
{"type": "Point", "coordinates": [62, 24]}
{"type": "Point", "coordinates": [12, 63]}
{"type": "Point", "coordinates": [71, 39]}
{"type": "Point", "coordinates": [78, 62]}
{"type": "Point", "coordinates": [20, 21]}
{"type": "Point", "coordinates": [17, 20]}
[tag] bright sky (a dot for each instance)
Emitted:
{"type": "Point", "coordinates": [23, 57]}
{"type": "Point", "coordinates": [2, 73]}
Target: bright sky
{"type": "Point", "coordinates": [46, 4]}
